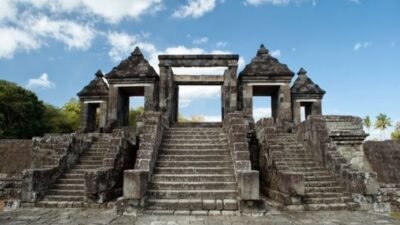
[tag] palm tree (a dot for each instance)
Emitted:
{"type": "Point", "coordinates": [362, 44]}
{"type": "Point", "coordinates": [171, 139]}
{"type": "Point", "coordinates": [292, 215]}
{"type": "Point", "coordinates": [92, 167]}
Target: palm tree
{"type": "Point", "coordinates": [382, 123]}
{"type": "Point", "coordinates": [367, 123]}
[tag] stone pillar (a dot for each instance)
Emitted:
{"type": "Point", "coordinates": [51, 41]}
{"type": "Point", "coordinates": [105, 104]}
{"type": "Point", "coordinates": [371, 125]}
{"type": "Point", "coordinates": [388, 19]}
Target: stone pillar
{"type": "Point", "coordinates": [233, 88]}
{"type": "Point", "coordinates": [83, 116]}
{"type": "Point", "coordinates": [284, 105]}
{"type": "Point", "coordinates": [149, 104]}
{"type": "Point", "coordinates": [103, 114]}
{"type": "Point", "coordinates": [112, 103]}
{"type": "Point", "coordinates": [163, 90]}
{"type": "Point", "coordinates": [296, 108]}
{"type": "Point", "coordinates": [225, 94]}
{"type": "Point", "coordinates": [247, 100]}
{"type": "Point", "coordinates": [316, 108]}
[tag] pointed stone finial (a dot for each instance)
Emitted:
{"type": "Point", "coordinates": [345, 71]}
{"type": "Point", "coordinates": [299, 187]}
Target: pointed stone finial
{"type": "Point", "coordinates": [262, 51]}
{"type": "Point", "coordinates": [302, 71]}
{"type": "Point", "coordinates": [99, 73]}
{"type": "Point", "coordinates": [137, 52]}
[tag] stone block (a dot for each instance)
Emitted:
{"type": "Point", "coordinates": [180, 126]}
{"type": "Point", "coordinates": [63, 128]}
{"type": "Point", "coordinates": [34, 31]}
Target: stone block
{"type": "Point", "coordinates": [242, 155]}
{"type": "Point", "coordinates": [249, 186]}
{"type": "Point", "coordinates": [209, 204]}
{"type": "Point", "coordinates": [135, 183]}
{"type": "Point", "coordinates": [240, 146]}
{"type": "Point", "coordinates": [230, 204]}
{"type": "Point", "coordinates": [219, 204]}
{"type": "Point", "coordinates": [242, 165]}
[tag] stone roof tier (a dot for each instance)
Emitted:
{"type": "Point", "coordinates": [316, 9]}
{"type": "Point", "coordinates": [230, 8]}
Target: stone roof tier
{"type": "Point", "coordinates": [135, 66]}
{"type": "Point", "coordinates": [266, 65]}
{"type": "Point", "coordinates": [305, 86]}
{"type": "Point", "coordinates": [97, 87]}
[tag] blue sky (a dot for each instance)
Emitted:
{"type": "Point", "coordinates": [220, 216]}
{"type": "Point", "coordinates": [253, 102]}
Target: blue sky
{"type": "Point", "coordinates": [349, 47]}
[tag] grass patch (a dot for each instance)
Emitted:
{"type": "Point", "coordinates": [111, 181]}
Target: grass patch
{"type": "Point", "coordinates": [395, 215]}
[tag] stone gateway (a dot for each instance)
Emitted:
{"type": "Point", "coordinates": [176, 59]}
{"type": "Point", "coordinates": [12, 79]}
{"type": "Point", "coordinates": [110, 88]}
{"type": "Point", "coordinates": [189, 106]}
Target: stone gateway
{"type": "Point", "coordinates": [309, 162]}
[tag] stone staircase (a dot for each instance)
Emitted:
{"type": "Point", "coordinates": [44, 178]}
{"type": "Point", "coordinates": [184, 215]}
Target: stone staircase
{"type": "Point", "coordinates": [69, 189]}
{"type": "Point", "coordinates": [322, 189]}
{"type": "Point", "coordinates": [194, 171]}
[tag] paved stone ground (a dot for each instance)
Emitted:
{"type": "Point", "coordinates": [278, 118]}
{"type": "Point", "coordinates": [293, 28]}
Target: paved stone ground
{"type": "Point", "coordinates": [100, 217]}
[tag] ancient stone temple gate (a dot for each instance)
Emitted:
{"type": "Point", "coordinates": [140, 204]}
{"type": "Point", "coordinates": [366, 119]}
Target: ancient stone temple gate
{"type": "Point", "coordinates": [165, 165]}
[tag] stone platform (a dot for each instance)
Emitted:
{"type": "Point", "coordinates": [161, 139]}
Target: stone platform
{"type": "Point", "coordinates": [37, 216]}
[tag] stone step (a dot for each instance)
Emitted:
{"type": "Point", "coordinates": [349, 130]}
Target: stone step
{"type": "Point", "coordinates": [164, 157]}
{"type": "Point", "coordinates": [221, 146]}
{"type": "Point", "coordinates": [73, 175]}
{"type": "Point", "coordinates": [91, 157]}
{"type": "Point", "coordinates": [65, 192]}
{"type": "Point", "coordinates": [196, 141]}
{"type": "Point", "coordinates": [64, 198]}
{"type": "Point", "coordinates": [77, 171]}
{"type": "Point", "coordinates": [321, 184]}
{"type": "Point", "coordinates": [70, 181]}
{"type": "Point", "coordinates": [192, 204]}
{"type": "Point", "coordinates": [194, 152]}
{"type": "Point", "coordinates": [307, 169]}
{"type": "Point", "coordinates": [194, 136]}
{"type": "Point", "coordinates": [190, 194]}
{"type": "Point", "coordinates": [323, 189]}
{"type": "Point", "coordinates": [186, 164]}
{"type": "Point", "coordinates": [193, 178]}
{"type": "Point", "coordinates": [193, 133]}
{"type": "Point", "coordinates": [311, 178]}
{"type": "Point", "coordinates": [193, 185]}
{"type": "Point", "coordinates": [192, 170]}
{"type": "Point", "coordinates": [64, 186]}
{"type": "Point", "coordinates": [90, 162]}
{"type": "Point", "coordinates": [327, 200]}
{"type": "Point", "coordinates": [324, 195]}
{"type": "Point", "coordinates": [293, 163]}
{"type": "Point", "coordinates": [84, 166]}
{"type": "Point", "coordinates": [331, 207]}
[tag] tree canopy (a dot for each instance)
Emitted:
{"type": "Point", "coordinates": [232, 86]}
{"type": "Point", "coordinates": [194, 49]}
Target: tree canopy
{"type": "Point", "coordinates": [21, 112]}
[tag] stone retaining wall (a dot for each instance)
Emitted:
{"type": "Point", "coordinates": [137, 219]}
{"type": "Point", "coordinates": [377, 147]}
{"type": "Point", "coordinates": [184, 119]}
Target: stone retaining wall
{"type": "Point", "coordinates": [384, 159]}
{"type": "Point", "coordinates": [15, 156]}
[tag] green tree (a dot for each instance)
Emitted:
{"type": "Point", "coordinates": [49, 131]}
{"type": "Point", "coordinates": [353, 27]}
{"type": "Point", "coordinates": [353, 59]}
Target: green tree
{"type": "Point", "coordinates": [21, 112]}
{"type": "Point", "coordinates": [71, 113]}
{"type": "Point", "coordinates": [396, 133]}
{"type": "Point", "coordinates": [382, 123]}
{"type": "Point", "coordinates": [133, 114]}
{"type": "Point", "coordinates": [367, 123]}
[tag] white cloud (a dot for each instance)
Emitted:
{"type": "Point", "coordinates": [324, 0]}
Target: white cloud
{"type": "Point", "coordinates": [42, 82]}
{"type": "Point", "coordinates": [7, 10]}
{"type": "Point", "coordinates": [276, 53]}
{"type": "Point", "coordinates": [221, 44]}
{"type": "Point", "coordinates": [111, 11]}
{"type": "Point", "coordinates": [122, 44]}
{"type": "Point", "coordinates": [276, 2]}
{"type": "Point", "coordinates": [195, 8]}
{"type": "Point", "coordinates": [360, 45]}
{"type": "Point", "coordinates": [261, 112]}
{"type": "Point", "coordinates": [73, 35]}
{"type": "Point", "coordinates": [200, 41]}
{"type": "Point", "coordinates": [188, 94]}
{"type": "Point", "coordinates": [13, 40]}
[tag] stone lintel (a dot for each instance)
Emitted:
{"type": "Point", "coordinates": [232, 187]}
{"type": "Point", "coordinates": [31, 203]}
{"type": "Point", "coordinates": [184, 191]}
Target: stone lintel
{"type": "Point", "coordinates": [198, 60]}
{"type": "Point", "coordinates": [199, 79]}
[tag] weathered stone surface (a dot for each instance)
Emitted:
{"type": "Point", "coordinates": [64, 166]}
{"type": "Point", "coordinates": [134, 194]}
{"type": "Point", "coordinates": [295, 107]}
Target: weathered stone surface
{"type": "Point", "coordinates": [135, 183]}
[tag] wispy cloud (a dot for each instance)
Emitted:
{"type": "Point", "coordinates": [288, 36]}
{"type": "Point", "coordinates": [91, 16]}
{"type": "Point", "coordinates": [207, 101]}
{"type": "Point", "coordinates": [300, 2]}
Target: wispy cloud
{"type": "Point", "coordinates": [355, 1]}
{"type": "Point", "coordinates": [188, 94]}
{"type": "Point", "coordinates": [261, 112]}
{"type": "Point", "coordinates": [360, 45]}
{"type": "Point", "coordinates": [278, 2]}
{"type": "Point", "coordinates": [200, 41]}
{"type": "Point", "coordinates": [41, 82]}
{"type": "Point", "coordinates": [276, 53]}
{"type": "Point", "coordinates": [221, 44]}
{"type": "Point", "coordinates": [194, 8]}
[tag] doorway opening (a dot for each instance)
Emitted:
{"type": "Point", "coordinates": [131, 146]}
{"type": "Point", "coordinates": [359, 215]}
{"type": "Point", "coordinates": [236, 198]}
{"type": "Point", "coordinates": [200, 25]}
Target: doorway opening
{"type": "Point", "coordinates": [199, 103]}
{"type": "Point", "coordinates": [262, 107]}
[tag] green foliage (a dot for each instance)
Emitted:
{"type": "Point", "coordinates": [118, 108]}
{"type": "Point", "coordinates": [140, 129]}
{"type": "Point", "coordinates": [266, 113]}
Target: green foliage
{"type": "Point", "coordinates": [71, 113]}
{"type": "Point", "coordinates": [367, 122]}
{"type": "Point", "coordinates": [396, 133]}
{"type": "Point", "coordinates": [382, 123]}
{"type": "Point", "coordinates": [21, 112]}
{"type": "Point", "coordinates": [133, 114]}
